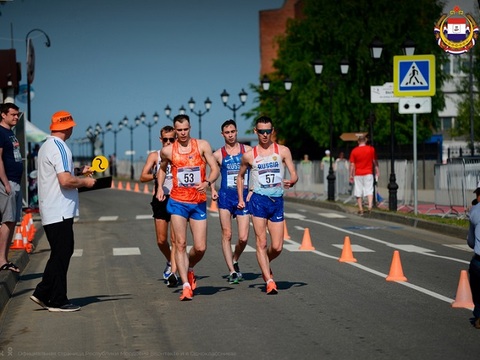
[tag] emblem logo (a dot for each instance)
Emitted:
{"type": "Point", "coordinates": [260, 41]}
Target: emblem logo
{"type": "Point", "coordinates": [456, 33]}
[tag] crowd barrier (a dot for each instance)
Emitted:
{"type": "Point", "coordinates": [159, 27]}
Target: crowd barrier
{"type": "Point", "coordinates": [453, 183]}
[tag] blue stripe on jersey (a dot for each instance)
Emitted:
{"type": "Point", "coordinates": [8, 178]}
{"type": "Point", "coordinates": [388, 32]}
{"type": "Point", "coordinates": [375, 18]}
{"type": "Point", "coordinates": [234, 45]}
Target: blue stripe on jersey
{"type": "Point", "coordinates": [63, 153]}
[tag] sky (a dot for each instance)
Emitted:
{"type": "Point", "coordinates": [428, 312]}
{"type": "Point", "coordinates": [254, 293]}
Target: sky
{"type": "Point", "coordinates": [114, 58]}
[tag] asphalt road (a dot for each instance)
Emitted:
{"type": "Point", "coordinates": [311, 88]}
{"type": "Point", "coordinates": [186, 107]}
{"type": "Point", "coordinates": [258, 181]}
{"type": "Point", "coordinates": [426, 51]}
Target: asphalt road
{"type": "Point", "coordinates": [325, 309]}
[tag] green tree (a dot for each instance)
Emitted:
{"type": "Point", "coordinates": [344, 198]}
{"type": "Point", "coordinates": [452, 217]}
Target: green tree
{"type": "Point", "coordinates": [344, 29]}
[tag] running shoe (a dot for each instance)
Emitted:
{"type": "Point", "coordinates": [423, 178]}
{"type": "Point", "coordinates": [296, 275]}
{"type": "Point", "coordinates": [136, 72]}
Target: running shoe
{"type": "Point", "coordinates": [191, 279]}
{"type": "Point", "coordinates": [233, 278]}
{"type": "Point", "coordinates": [172, 280]}
{"type": "Point", "coordinates": [64, 308]}
{"type": "Point", "coordinates": [237, 270]}
{"type": "Point", "coordinates": [187, 294]}
{"type": "Point", "coordinates": [271, 288]}
{"type": "Point", "coordinates": [167, 271]}
{"type": "Point", "coordinates": [38, 301]}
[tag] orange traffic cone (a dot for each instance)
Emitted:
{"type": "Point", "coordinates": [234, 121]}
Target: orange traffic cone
{"type": "Point", "coordinates": [136, 188]}
{"type": "Point", "coordinates": [347, 254]}
{"type": "Point", "coordinates": [463, 299]}
{"type": "Point", "coordinates": [31, 234]}
{"type": "Point", "coordinates": [213, 206]}
{"type": "Point", "coordinates": [127, 186]}
{"type": "Point", "coordinates": [396, 272]}
{"type": "Point", "coordinates": [113, 185]}
{"type": "Point", "coordinates": [285, 231]}
{"type": "Point", "coordinates": [18, 240]}
{"type": "Point", "coordinates": [120, 186]}
{"type": "Point", "coordinates": [306, 241]}
{"type": "Point", "coordinates": [145, 189]}
{"type": "Point", "coordinates": [23, 230]}
{"type": "Point", "coordinates": [29, 248]}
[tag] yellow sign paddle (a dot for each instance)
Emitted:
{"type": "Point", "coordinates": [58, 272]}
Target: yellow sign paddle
{"type": "Point", "coordinates": [99, 164]}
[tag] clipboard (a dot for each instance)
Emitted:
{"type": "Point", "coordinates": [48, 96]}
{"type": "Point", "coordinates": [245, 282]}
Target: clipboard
{"type": "Point", "coordinates": [102, 183]}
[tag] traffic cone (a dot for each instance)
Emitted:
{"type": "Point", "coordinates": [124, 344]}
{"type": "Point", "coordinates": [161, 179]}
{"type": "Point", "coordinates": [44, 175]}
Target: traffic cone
{"type": "Point", "coordinates": [120, 186]}
{"type": "Point", "coordinates": [145, 189]}
{"type": "Point", "coordinates": [136, 188]}
{"type": "Point", "coordinates": [31, 234]}
{"type": "Point", "coordinates": [347, 254]}
{"type": "Point", "coordinates": [396, 272]}
{"type": "Point", "coordinates": [463, 299]}
{"type": "Point", "coordinates": [285, 231]}
{"type": "Point", "coordinates": [29, 248]}
{"type": "Point", "coordinates": [18, 240]}
{"type": "Point", "coordinates": [113, 185]}
{"type": "Point", "coordinates": [127, 186]}
{"type": "Point", "coordinates": [23, 230]}
{"type": "Point", "coordinates": [213, 206]}
{"type": "Point", "coordinates": [306, 241]}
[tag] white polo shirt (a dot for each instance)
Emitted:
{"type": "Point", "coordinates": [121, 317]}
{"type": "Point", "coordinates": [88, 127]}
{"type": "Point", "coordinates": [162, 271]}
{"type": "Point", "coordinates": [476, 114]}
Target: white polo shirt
{"type": "Point", "coordinates": [55, 203]}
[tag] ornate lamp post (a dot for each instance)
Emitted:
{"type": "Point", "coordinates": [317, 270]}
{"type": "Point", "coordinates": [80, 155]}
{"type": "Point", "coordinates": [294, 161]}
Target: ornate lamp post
{"type": "Point", "coordinates": [31, 65]}
{"type": "Point", "coordinates": [376, 48]}
{"type": "Point", "coordinates": [287, 84]}
{"type": "Point", "coordinates": [109, 127]}
{"type": "Point", "coordinates": [131, 127]}
{"type": "Point", "coordinates": [191, 105]}
{"type": "Point", "coordinates": [318, 67]}
{"type": "Point", "coordinates": [243, 98]}
{"type": "Point", "coordinates": [92, 137]}
{"type": "Point", "coordinates": [149, 125]}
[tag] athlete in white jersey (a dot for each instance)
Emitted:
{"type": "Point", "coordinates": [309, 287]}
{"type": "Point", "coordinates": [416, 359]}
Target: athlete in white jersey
{"type": "Point", "coordinates": [267, 162]}
{"type": "Point", "coordinates": [159, 208]}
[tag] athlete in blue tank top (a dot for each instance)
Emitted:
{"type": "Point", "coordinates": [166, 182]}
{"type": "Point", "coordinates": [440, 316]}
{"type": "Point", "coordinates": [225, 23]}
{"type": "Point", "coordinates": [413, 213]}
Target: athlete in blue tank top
{"type": "Point", "coordinates": [229, 157]}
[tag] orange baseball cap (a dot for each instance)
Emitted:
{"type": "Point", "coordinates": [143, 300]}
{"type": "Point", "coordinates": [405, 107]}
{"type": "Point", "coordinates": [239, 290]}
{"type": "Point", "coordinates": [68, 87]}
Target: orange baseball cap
{"type": "Point", "coordinates": [62, 120]}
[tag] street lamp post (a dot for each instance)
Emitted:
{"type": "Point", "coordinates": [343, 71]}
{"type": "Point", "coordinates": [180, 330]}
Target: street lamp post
{"type": "Point", "coordinates": [109, 127]}
{"type": "Point", "coordinates": [100, 131]}
{"type": "Point", "coordinates": [376, 48]}
{"type": "Point", "coordinates": [243, 98]}
{"type": "Point", "coordinates": [318, 67]}
{"type": "Point", "coordinates": [265, 83]}
{"type": "Point", "coordinates": [149, 125]}
{"type": "Point", "coordinates": [31, 65]}
{"type": "Point", "coordinates": [92, 137]}
{"type": "Point", "coordinates": [168, 112]}
{"type": "Point", "coordinates": [131, 127]}
{"type": "Point", "coordinates": [191, 105]}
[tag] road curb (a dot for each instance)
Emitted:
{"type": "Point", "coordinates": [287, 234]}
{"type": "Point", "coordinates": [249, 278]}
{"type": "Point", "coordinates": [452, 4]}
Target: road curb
{"type": "Point", "coordinates": [9, 279]}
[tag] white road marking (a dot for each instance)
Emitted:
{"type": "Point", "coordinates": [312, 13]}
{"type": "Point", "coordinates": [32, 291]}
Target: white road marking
{"type": "Point", "coordinates": [126, 251]}
{"type": "Point", "coordinates": [355, 248]}
{"type": "Point", "coordinates": [248, 248]}
{"type": "Point", "coordinates": [143, 217]}
{"type": "Point", "coordinates": [332, 215]}
{"type": "Point", "coordinates": [108, 218]}
{"type": "Point", "coordinates": [294, 216]}
{"type": "Point", "coordinates": [77, 253]}
{"type": "Point", "coordinates": [463, 247]}
{"type": "Point", "coordinates": [411, 248]}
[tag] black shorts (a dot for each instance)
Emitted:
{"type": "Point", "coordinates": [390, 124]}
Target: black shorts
{"type": "Point", "coordinates": [159, 208]}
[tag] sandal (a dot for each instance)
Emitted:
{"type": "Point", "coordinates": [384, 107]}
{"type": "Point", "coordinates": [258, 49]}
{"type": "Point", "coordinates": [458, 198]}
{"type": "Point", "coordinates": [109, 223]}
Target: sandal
{"type": "Point", "coordinates": [10, 266]}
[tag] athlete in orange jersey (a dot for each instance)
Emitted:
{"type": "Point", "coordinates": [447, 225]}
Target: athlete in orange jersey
{"type": "Point", "coordinates": [188, 197]}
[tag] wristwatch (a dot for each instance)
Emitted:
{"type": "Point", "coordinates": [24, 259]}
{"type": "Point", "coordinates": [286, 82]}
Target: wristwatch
{"type": "Point", "coordinates": [208, 182]}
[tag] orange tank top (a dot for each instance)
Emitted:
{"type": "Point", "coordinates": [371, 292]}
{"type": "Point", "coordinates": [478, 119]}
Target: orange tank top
{"type": "Point", "coordinates": [188, 170]}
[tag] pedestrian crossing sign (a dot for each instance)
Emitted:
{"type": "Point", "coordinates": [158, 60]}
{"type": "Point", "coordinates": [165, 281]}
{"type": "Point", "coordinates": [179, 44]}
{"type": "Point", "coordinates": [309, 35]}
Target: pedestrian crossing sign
{"type": "Point", "coordinates": [414, 75]}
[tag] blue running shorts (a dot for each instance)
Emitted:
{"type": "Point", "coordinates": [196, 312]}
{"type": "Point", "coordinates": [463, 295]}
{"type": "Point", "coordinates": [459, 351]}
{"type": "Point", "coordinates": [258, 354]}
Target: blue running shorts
{"type": "Point", "coordinates": [187, 210]}
{"type": "Point", "coordinates": [228, 200]}
{"type": "Point", "coordinates": [267, 207]}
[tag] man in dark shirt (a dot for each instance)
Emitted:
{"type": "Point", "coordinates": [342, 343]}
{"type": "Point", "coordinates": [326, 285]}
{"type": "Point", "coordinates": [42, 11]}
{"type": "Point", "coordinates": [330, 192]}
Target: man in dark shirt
{"type": "Point", "coordinates": [11, 170]}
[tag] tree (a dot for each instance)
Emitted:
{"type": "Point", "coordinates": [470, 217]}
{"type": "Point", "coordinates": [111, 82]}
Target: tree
{"type": "Point", "coordinates": [344, 29]}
